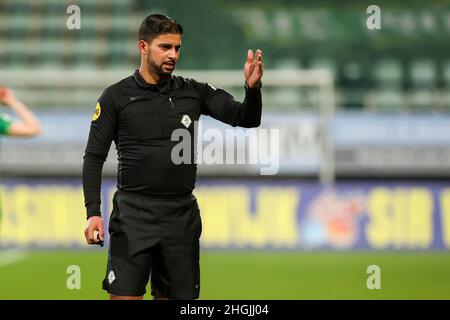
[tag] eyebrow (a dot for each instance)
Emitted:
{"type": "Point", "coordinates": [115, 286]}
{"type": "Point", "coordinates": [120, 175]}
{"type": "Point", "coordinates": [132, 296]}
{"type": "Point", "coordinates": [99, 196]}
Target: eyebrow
{"type": "Point", "coordinates": [169, 45]}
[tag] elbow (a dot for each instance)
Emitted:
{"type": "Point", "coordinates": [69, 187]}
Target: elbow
{"type": "Point", "coordinates": [94, 157]}
{"type": "Point", "coordinates": [250, 123]}
{"type": "Point", "coordinates": [37, 130]}
{"type": "Point", "coordinates": [253, 124]}
{"type": "Point", "coordinates": [33, 131]}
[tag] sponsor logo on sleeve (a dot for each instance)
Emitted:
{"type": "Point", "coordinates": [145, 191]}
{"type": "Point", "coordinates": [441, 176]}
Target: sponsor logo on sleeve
{"type": "Point", "coordinates": [97, 112]}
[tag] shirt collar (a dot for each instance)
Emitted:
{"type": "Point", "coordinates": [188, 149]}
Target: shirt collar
{"type": "Point", "coordinates": [162, 87]}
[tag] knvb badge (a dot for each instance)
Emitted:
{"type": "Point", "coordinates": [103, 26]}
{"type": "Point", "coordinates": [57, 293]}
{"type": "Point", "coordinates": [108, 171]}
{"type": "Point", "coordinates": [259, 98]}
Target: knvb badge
{"type": "Point", "coordinates": [186, 121]}
{"type": "Point", "coordinates": [111, 277]}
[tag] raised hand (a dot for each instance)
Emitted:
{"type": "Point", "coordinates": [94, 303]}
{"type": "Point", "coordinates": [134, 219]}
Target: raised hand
{"type": "Point", "coordinates": [6, 96]}
{"type": "Point", "coordinates": [253, 69]}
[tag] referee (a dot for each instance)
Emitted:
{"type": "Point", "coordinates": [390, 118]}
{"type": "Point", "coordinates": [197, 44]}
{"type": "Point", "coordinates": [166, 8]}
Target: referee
{"type": "Point", "coordinates": [155, 223]}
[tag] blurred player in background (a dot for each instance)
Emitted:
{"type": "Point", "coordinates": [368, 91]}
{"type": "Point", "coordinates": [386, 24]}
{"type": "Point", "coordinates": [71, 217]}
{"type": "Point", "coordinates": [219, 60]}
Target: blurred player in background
{"type": "Point", "coordinates": [26, 126]}
{"type": "Point", "coordinates": [155, 224]}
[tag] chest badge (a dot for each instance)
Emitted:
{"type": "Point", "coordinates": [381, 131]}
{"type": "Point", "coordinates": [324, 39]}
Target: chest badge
{"type": "Point", "coordinates": [186, 121]}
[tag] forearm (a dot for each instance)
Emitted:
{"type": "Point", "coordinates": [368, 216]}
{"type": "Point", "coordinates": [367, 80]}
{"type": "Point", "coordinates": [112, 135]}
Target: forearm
{"type": "Point", "coordinates": [249, 114]}
{"type": "Point", "coordinates": [92, 179]}
{"type": "Point", "coordinates": [27, 118]}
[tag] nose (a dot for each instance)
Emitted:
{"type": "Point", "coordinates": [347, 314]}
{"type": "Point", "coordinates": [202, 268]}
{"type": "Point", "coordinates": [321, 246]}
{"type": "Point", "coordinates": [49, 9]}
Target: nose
{"type": "Point", "coordinates": [173, 54]}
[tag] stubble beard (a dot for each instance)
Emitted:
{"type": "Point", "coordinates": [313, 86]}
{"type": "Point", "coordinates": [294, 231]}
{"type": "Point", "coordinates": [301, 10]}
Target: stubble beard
{"type": "Point", "coordinates": [158, 69]}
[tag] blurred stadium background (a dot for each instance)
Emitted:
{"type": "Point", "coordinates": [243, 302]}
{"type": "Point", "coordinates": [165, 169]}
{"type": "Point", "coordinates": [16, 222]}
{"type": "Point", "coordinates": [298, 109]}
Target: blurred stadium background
{"type": "Point", "coordinates": [364, 145]}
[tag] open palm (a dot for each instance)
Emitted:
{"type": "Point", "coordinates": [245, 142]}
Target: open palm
{"type": "Point", "coordinates": [253, 69]}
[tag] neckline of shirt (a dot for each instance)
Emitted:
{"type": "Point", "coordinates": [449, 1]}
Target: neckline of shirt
{"type": "Point", "coordinates": [161, 87]}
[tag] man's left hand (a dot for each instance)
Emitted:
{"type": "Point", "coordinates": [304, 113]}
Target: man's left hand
{"type": "Point", "coordinates": [253, 69]}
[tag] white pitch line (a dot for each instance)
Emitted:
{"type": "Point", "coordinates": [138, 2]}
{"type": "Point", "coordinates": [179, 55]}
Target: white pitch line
{"type": "Point", "coordinates": [11, 256]}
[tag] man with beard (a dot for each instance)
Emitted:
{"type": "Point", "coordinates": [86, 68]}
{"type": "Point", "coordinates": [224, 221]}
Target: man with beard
{"type": "Point", "coordinates": [155, 224]}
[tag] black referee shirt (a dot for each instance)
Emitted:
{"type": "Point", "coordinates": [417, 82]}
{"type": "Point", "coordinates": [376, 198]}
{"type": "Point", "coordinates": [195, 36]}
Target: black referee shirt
{"type": "Point", "coordinates": [140, 118]}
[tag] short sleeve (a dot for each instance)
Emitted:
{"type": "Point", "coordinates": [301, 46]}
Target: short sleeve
{"type": "Point", "coordinates": [5, 124]}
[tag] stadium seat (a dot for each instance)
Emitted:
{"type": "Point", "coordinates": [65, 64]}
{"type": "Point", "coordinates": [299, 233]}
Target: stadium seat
{"type": "Point", "coordinates": [324, 63]}
{"type": "Point", "coordinates": [388, 74]}
{"type": "Point", "coordinates": [422, 100]}
{"type": "Point", "coordinates": [423, 74]}
{"type": "Point", "coordinates": [446, 74]}
{"type": "Point", "coordinates": [422, 95]}
{"type": "Point", "coordinates": [388, 100]}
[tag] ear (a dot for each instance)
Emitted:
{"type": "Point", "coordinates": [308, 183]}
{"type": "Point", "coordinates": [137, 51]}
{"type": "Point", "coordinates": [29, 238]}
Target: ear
{"type": "Point", "coordinates": [143, 47]}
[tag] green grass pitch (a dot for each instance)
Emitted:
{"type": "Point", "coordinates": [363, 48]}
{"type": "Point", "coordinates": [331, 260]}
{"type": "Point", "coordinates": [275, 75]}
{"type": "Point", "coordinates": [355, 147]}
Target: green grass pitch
{"type": "Point", "coordinates": [245, 275]}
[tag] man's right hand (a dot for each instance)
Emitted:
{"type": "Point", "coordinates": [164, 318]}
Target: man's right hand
{"type": "Point", "coordinates": [94, 223]}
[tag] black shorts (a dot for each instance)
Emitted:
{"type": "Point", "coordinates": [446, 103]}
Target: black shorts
{"type": "Point", "coordinates": [158, 237]}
